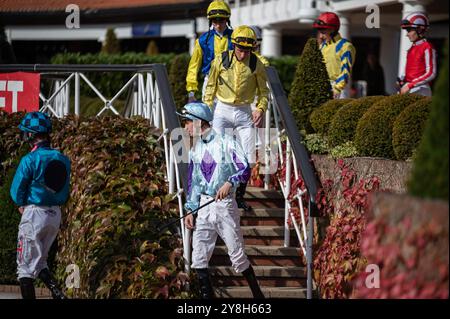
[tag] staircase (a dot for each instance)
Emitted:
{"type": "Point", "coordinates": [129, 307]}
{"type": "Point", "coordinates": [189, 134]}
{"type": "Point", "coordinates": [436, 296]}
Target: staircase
{"type": "Point", "coordinates": [280, 270]}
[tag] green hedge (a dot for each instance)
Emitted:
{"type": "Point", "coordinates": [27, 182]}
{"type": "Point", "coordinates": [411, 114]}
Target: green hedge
{"type": "Point", "coordinates": [118, 197]}
{"type": "Point", "coordinates": [374, 130]}
{"type": "Point", "coordinates": [343, 124]}
{"type": "Point", "coordinates": [321, 117]}
{"type": "Point", "coordinates": [429, 177]}
{"type": "Point", "coordinates": [11, 150]}
{"type": "Point", "coordinates": [285, 66]}
{"type": "Point", "coordinates": [408, 128]}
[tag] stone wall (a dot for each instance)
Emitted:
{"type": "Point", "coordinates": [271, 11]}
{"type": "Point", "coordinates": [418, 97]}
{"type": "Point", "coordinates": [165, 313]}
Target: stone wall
{"type": "Point", "coordinates": [392, 174]}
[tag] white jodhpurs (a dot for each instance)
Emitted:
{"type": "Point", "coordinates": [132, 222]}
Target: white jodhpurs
{"type": "Point", "coordinates": [219, 218]}
{"type": "Point", "coordinates": [237, 121]}
{"type": "Point", "coordinates": [38, 228]}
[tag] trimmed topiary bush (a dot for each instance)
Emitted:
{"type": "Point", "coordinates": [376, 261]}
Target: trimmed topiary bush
{"type": "Point", "coordinates": [408, 128]}
{"type": "Point", "coordinates": [177, 79]}
{"type": "Point", "coordinates": [430, 171]}
{"type": "Point", "coordinates": [321, 117]}
{"type": "Point", "coordinates": [343, 124]}
{"type": "Point", "coordinates": [111, 44]}
{"type": "Point", "coordinates": [311, 87]}
{"type": "Point", "coordinates": [374, 130]}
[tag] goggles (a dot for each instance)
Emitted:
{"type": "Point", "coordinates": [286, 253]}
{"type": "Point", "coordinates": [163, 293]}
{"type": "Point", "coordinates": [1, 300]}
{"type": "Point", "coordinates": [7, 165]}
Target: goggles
{"type": "Point", "coordinates": [185, 116]}
{"type": "Point", "coordinates": [243, 41]}
{"type": "Point", "coordinates": [217, 13]}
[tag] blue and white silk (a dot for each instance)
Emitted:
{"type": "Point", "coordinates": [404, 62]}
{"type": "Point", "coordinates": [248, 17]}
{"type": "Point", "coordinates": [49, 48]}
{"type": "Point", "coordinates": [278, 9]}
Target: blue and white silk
{"type": "Point", "coordinates": [214, 160]}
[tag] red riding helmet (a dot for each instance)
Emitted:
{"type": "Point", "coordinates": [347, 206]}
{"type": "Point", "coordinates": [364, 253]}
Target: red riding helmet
{"type": "Point", "coordinates": [327, 20]}
{"type": "Point", "coordinates": [417, 21]}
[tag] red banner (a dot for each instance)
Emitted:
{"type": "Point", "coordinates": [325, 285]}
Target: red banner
{"type": "Point", "coordinates": [19, 91]}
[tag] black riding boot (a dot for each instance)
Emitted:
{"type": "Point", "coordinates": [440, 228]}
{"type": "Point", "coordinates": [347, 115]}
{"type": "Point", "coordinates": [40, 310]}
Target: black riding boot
{"type": "Point", "coordinates": [27, 288]}
{"type": "Point", "coordinates": [51, 284]}
{"type": "Point", "coordinates": [240, 193]}
{"type": "Point", "coordinates": [249, 274]}
{"type": "Point", "coordinates": [206, 289]}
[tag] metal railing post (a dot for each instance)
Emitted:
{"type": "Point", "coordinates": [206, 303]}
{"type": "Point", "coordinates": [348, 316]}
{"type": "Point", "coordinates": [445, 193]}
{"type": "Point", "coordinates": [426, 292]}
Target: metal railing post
{"type": "Point", "coordinates": [287, 188]}
{"type": "Point", "coordinates": [309, 255]}
{"type": "Point", "coordinates": [77, 94]}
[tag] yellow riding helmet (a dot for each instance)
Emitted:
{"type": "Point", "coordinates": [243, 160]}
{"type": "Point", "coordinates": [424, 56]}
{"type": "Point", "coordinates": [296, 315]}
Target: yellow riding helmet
{"type": "Point", "coordinates": [244, 36]}
{"type": "Point", "coordinates": [218, 9]}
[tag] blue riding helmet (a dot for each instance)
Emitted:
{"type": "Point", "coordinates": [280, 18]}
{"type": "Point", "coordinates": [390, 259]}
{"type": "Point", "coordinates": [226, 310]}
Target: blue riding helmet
{"type": "Point", "coordinates": [196, 111]}
{"type": "Point", "coordinates": [36, 122]}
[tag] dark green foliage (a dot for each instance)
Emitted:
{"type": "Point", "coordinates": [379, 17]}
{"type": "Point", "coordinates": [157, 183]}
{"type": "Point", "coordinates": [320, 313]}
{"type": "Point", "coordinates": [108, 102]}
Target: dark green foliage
{"type": "Point", "coordinates": [109, 83]}
{"type": "Point", "coordinates": [177, 79]}
{"type": "Point", "coordinates": [9, 223]}
{"type": "Point", "coordinates": [374, 131]}
{"type": "Point", "coordinates": [408, 128]}
{"type": "Point", "coordinates": [430, 171]}
{"type": "Point", "coordinates": [111, 44]}
{"type": "Point", "coordinates": [343, 124]}
{"type": "Point", "coordinates": [321, 117]}
{"type": "Point", "coordinates": [11, 151]}
{"type": "Point", "coordinates": [285, 66]}
{"type": "Point", "coordinates": [311, 86]}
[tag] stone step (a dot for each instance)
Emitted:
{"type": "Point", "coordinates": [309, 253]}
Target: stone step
{"type": "Point", "coordinates": [261, 198]}
{"type": "Point", "coordinates": [255, 260]}
{"type": "Point", "coordinates": [269, 292]}
{"type": "Point", "coordinates": [263, 231]}
{"type": "Point", "coordinates": [268, 276]}
{"type": "Point", "coordinates": [263, 217]}
{"type": "Point", "coordinates": [265, 235]}
{"type": "Point", "coordinates": [255, 193]}
{"type": "Point", "coordinates": [257, 250]}
{"type": "Point", "coordinates": [261, 271]}
{"type": "Point", "coordinates": [264, 213]}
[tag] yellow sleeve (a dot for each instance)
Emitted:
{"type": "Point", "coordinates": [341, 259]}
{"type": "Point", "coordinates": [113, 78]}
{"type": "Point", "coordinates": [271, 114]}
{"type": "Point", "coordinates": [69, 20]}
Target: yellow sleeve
{"type": "Point", "coordinates": [194, 67]}
{"type": "Point", "coordinates": [262, 58]}
{"type": "Point", "coordinates": [347, 61]}
{"type": "Point", "coordinates": [211, 86]}
{"type": "Point", "coordinates": [261, 87]}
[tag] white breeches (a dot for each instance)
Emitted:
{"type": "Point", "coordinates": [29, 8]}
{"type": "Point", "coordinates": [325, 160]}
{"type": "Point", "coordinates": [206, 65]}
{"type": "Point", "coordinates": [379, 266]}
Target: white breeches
{"type": "Point", "coordinates": [219, 218]}
{"type": "Point", "coordinates": [38, 228]}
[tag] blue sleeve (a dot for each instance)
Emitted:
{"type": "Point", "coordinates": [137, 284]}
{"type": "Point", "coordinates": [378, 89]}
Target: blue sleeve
{"type": "Point", "coordinates": [194, 187]}
{"type": "Point", "coordinates": [21, 182]}
{"type": "Point", "coordinates": [240, 163]}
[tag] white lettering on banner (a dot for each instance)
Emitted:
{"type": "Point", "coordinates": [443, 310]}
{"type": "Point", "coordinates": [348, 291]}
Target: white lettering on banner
{"type": "Point", "coordinates": [14, 87]}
